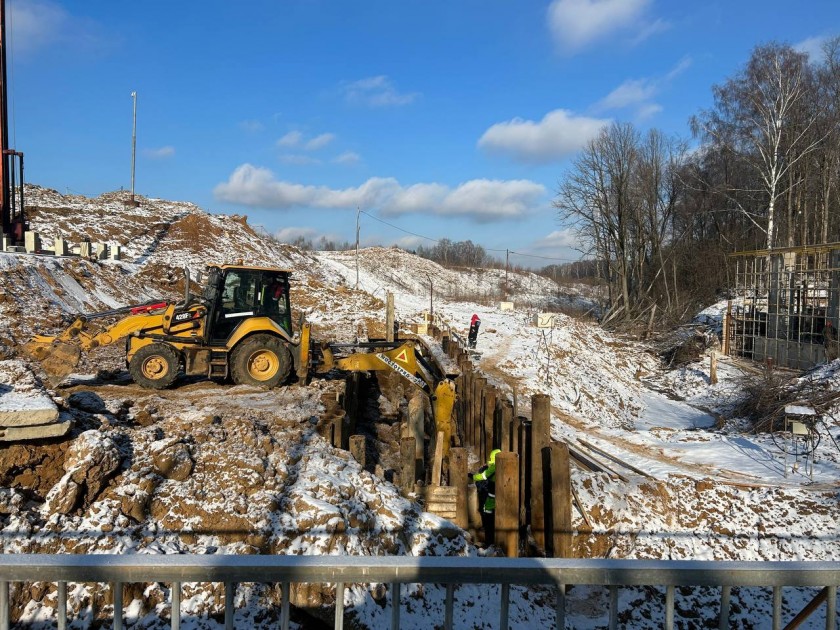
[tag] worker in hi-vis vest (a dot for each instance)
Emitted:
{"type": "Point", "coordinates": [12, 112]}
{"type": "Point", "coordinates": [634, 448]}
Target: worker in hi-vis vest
{"type": "Point", "coordinates": [485, 480]}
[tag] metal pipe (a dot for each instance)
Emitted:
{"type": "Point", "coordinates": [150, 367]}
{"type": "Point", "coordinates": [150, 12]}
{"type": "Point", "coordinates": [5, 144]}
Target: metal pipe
{"type": "Point", "coordinates": [339, 606]}
{"type": "Point", "coordinates": [175, 613]}
{"type": "Point", "coordinates": [669, 608]}
{"type": "Point", "coordinates": [450, 605]}
{"type": "Point", "coordinates": [230, 587]}
{"type": "Point", "coordinates": [117, 587]}
{"type": "Point", "coordinates": [395, 606]}
{"type": "Point", "coordinates": [285, 610]}
{"type": "Point", "coordinates": [504, 613]}
{"type": "Point", "coordinates": [4, 605]}
{"type": "Point", "coordinates": [62, 606]}
{"type": "Point", "coordinates": [723, 617]}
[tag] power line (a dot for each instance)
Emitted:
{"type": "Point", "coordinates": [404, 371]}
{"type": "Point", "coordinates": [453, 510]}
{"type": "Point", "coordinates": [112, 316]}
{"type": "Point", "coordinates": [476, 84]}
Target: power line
{"type": "Point", "coordinates": [487, 249]}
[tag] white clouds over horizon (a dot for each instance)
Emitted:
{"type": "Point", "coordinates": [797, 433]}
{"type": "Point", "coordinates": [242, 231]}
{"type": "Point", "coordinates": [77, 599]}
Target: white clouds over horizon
{"type": "Point", "coordinates": [479, 200]}
{"type": "Point", "coordinates": [558, 135]}
{"type": "Point", "coordinates": [160, 153]}
{"type": "Point", "coordinates": [575, 24]}
{"type": "Point", "coordinates": [378, 91]}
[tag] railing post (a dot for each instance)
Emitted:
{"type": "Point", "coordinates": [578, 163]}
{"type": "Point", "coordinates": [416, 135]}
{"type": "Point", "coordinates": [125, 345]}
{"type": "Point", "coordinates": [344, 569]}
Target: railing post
{"type": "Point", "coordinates": [830, 606]}
{"type": "Point", "coordinates": [285, 610]}
{"type": "Point", "coordinates": [339, 606]}
{"type": "Point", "coordinates": [560, 614]}
{"type": "Point", "coordinates": [450, 605]}
{"type": "Point", "coordinates": [723, 617]}
{"type": "Point", "coordinates": [4, 606]}
{"type": "Point", "coordinates": [117, 588]}
{"type": "Point", "coordinates": [395, 606]}
{"type": "Point", "coordinates": [613, 607]}
{"type": "Point", "coordinates": [62, 606]}
{"type": "Point", "coordinates": [505, 607]}
{"type": "Point", "coordinates": [175, 613]}
{"type": "Point", "coordinates": [229, 588]}
{"type": "Point", "coordinates": [669, 608]}
{"type": "Point", "coordinates": [777, 608]}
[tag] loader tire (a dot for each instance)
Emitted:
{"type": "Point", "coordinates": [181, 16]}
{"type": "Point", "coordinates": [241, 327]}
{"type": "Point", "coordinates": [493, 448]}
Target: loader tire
{"type": "Point", "coordinates": [261, 360]}
{"type": "Point", "coordinates": [154, 366]}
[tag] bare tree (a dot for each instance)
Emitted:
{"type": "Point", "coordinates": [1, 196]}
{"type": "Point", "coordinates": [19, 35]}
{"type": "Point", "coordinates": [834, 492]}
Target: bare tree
{"type": "Point", "coordinates": [762, 116]}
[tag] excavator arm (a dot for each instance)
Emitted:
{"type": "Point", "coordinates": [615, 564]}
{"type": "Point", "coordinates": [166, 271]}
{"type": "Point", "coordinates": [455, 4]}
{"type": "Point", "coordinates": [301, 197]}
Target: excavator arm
{"type": "Point", "coordinates": [60, 354]}
{"type": "Point", "coordinates": [404, 361]}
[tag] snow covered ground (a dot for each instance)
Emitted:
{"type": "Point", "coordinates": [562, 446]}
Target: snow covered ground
{"type": "Point", "coordinates": [208, 468]}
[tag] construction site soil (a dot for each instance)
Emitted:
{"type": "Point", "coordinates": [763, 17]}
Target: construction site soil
{"type": "Point", "coordinates": [208, 467]}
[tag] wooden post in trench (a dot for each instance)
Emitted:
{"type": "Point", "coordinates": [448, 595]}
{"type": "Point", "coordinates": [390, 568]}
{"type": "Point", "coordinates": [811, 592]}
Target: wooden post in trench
{"type": "Point", "coordinates": [458, 478]}
{"type": "Point", "coordinates": [558, 508]}
{"type": "Point", "coordinates": [488, 415]}
{"type": "Point", "coordinates": [540, 437]}
{"type": "Point", "coordinates": [507, 503]}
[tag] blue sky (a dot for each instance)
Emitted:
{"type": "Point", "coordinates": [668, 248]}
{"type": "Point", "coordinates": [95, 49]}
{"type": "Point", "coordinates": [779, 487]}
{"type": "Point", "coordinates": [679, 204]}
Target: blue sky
{"type": "Point", "coordinates": [445, 119]}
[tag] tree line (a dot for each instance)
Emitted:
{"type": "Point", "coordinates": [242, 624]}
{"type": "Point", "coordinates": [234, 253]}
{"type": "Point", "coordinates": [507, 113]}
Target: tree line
{"type": "Point", "coordinates": [659, 216]}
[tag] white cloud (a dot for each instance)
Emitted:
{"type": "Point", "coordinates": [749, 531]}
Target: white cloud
{"type": "Point", "coordinates": [319, 142]}
{"type": "Point", "coordinates": [297, 159]}
{"type": "Point", "coordinates": [639, 94]}
{"type": "Point", "coordinates": [289, 234]}
{"type": "Point", "coordinates": [376, 91]}
{"type": "Point", "coordinates": [558, 135]}
{"type": "Point", "coordinates": [291, 139]}
{"type": "Point", "coordinates": [631, 92]}
{"type": "Point", "coordinates": [39, 24]}
{"type": "Point", "coordinates": [575, 24]}
{"type": "Point", "coordinates": [480, 200]}
{"type": "Point", "coordinates": [251, 126]}
{"type": "Point", "coordinates": [348, 158]}
{"type": "Point", "coordinates": [813, 46]}
{"type": "Point", "coordinates": [159, 154]}
{"type": "Point", "coordinates": [556, 240]}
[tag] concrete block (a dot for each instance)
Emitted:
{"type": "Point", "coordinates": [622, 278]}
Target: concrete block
{"type": "Point", "coordinates": [115, 252]}
{"type": "Point", "coordinates": [61, 247]}
{"type": "Point", "coordinates": [84, 249]}
{"type": "Point", "coordinates": [5, 243]}
{"type": "Point", "coordinates": [505, 306]}
{"type": "Point", "coordinates": [100, 251]}
{"type": "Point", "coordinates": [32, 241]}
{"type": "Point", "coordinates": [35, 431]}
{"type": "Point", "coordinates": [423, 329]}
{"type": "Point", "coordinates": [545, 320]}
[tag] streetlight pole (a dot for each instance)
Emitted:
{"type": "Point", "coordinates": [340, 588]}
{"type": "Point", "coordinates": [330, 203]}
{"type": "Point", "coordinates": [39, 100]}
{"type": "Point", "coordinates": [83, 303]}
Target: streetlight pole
{"type": "Point", "coordinates": [133, 202]}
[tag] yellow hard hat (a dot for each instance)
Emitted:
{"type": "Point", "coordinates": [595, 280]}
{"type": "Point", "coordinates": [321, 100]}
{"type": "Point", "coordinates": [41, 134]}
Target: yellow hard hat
{"type": "Point", "coordinates": [493, 454]}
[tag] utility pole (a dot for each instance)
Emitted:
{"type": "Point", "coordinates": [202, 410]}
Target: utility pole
{"type": "Point", "coordinates": [133, 201]}
{"type": "Point", "coordinates": [431, 297]}
{"type": "Point", "coordinates": [507, 259]}
{"type": "Point", "coordinates": [358, 213]}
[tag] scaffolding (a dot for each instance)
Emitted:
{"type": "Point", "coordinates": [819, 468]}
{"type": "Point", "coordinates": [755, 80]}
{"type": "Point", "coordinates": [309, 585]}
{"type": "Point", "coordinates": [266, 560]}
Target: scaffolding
{"type": "Point", "coordinates": [785, 306]}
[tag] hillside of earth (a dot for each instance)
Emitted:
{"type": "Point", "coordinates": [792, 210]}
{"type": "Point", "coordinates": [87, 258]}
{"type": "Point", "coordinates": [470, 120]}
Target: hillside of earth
{"type": "Point", "coordinates": [212, 468]}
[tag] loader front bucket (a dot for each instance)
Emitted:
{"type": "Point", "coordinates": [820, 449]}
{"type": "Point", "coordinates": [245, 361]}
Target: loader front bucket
{"type": "Point", "coordinates": [57, 358]}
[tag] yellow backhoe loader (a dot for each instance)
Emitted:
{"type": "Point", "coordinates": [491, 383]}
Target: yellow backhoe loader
{"type": "Point", "coordinates": [239, 326]}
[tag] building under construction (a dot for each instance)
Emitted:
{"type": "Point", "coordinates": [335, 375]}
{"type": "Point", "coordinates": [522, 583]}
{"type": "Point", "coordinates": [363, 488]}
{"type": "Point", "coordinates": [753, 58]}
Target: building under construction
{"type": "Point", "coordinates": [785, 307]}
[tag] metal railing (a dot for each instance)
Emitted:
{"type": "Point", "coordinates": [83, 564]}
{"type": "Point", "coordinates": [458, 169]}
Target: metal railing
{"type": "Point", "coordinates": [341, 570]}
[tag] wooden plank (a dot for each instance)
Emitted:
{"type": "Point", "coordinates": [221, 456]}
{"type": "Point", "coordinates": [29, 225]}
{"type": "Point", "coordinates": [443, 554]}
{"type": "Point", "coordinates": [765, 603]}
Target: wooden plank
{"type": "Point", "coordinates": [614, 458]}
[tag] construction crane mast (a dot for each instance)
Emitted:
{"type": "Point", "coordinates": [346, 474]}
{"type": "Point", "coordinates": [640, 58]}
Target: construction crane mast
{"type": "Point", "coordinates": [12, 216]}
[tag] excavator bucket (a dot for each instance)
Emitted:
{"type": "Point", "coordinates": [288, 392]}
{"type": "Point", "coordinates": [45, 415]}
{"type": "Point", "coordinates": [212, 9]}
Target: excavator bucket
{"type": "Point", "coordinates": [57, 358]}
